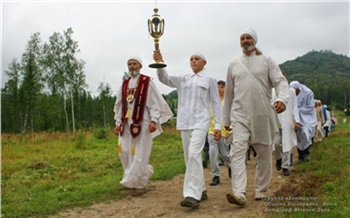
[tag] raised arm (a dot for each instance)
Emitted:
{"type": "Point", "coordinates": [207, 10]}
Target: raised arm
{"type": "Point", "coordinates": [163, 76]}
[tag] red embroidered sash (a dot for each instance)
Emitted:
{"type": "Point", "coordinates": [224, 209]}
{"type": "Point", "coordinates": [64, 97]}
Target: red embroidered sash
{"type": "Point", "coordinates": [139, 105]}
{"type": "Point", "coordinates": [124, 104]}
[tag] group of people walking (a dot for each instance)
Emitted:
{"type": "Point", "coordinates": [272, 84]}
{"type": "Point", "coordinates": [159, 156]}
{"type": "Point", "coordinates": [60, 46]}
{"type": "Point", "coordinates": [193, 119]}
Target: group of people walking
{"type": "Point", "coordinates": [255, 107]}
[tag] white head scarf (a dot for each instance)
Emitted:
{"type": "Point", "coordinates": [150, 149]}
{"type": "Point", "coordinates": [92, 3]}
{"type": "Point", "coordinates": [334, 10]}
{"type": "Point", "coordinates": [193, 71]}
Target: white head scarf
{"type": "Point", "coordinates": [199, 55]}
{"type": "Point", "coordinates": [295, 84]}
{"type": "Point", "coordinates": [136, 58]}
{"type": "Point", "coordinates": [252, 33]}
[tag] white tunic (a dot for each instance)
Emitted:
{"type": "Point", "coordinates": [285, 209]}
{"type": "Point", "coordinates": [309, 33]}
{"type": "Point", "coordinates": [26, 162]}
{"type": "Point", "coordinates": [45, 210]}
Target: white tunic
{"type": "Point", "coordinates": [137, 170]}
{"type": "Point", "coordinates": [195, 92]}
{"type": "Point", "coordinates": [250, 105]}
{"type": "Point", "coordinates": [287, 119]}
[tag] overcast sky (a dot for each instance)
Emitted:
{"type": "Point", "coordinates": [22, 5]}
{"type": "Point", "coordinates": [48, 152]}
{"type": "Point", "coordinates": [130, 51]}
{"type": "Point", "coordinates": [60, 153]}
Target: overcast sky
{"type": "Point", "coordinates": [109, 32]}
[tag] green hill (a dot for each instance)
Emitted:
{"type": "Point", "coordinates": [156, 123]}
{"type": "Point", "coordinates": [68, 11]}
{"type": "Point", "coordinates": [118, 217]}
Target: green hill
{"type": "Point", "coordinates": [324, 72]}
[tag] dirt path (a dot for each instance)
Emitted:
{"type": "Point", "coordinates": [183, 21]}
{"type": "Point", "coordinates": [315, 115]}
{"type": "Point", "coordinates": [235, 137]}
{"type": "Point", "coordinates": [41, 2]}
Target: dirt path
{"type": "Point", "coordinates": [163, 200]}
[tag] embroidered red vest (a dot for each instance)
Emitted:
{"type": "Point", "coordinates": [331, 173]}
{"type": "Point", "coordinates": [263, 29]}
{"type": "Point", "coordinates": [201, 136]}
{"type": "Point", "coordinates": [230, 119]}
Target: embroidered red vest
{"type": "Point", "coordinates": [139, 104]}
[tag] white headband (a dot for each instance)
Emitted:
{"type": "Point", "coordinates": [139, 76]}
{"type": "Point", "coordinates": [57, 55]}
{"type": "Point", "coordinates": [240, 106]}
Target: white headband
{"type": "Point", "coordinates": [199, 55]}
{"type": "Point", "coordinates": [252, 33]}
{"type": "Point", "coordinates": [136, 58]}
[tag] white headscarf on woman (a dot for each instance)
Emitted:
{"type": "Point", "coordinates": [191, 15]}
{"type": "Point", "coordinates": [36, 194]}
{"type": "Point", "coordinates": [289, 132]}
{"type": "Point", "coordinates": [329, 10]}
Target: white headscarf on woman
{"type": "Point", "coordinates": [295, 84]}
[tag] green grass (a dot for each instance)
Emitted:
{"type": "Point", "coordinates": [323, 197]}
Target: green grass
{"type": "Point", "coordinates": [326, 178]}
{"type": "Point", "coordinates": [45, 173]}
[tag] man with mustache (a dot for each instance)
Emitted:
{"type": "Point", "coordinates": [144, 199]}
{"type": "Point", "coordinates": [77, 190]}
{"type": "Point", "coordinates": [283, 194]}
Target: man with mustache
{"type": "Point", "coordinates": [249, 110]}
{"type": "Point", "coordinates": [139, 112]}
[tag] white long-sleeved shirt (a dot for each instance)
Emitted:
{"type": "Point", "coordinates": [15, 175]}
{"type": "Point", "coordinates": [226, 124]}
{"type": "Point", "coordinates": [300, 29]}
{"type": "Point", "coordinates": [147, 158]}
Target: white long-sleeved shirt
{"type": "Point", "coordinates": [196, 91]}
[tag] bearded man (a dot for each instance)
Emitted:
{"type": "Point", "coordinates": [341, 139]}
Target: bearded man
{"type": "Point", "coordinates": [139, 112]}
{"type": "Point", "coordinates": [248, 109]}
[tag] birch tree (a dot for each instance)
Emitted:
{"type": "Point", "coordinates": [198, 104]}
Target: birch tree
{"type": "Point", "coordinates": [53, 62]}
{"type": "Point", "coordinates": [64, 72]}
{"type": "Point", "coordinates": [74, 70]}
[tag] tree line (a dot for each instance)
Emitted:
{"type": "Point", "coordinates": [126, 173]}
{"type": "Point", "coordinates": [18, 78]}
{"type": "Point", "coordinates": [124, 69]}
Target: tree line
{"type": "Point", "coordinates": [46, 90]}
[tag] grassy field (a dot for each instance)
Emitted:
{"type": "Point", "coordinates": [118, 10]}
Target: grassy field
{"type": "Point", "coordinates": [321, 187]}
{"type": "Point", "coordinates": [47, 172]}
{"type": "Point", "coordinates": [44, 173]}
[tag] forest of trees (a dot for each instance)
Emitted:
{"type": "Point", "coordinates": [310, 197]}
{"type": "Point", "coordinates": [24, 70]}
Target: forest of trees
{"type": "Point", "coordinates": [327, 74]}
{"type": "Point", "coordinates": [46, 89]}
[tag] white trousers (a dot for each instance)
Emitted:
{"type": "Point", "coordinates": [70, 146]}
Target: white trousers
{"type": "Point", "coordinates": [279, 151]}
{"type": "Point", "coordinates": [238, 153]}
{"type": "Point", "coordinates": [137, 170]}
{"type": "Point", "coordinates": [193, 143]}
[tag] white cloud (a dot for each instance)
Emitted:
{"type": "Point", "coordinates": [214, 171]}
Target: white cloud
{"type": "Point", "coordinates": [109, 32]}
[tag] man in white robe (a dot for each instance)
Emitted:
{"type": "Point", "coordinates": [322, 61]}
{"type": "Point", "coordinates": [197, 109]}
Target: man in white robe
{"type": "Point", "coordinates": [307, 113]}
{"type": "Point", "coordinates": [136, 132]}
{"type": "Point", "coordinates": [286, 137]}
{"type": "Point", "coordinates": [247, 107]}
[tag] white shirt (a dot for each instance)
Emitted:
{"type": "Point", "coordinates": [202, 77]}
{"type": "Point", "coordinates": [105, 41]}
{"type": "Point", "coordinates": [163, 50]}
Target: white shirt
{"type": "Point", "coordinates": [196, 91]}
{"type": "Point", "coordinates": [248, 102]}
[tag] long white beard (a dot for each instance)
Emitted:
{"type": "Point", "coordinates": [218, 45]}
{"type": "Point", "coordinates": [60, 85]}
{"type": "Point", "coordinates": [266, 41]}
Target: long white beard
{"type": "Point", "coordinates": [134, 73]}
